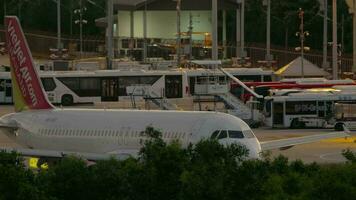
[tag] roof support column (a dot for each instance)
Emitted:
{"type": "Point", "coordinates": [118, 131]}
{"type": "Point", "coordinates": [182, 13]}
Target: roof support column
{"type": "Point", "coordinates": [145, 32]}
{"type": "Point", "coordinates": [179, 42]}
{"type": "Point", "coordinates": [224, 34]}
{"type": "Point", "coordinates": [268, 34]}
{"type": "Point", "coordinates": [238, 31]}
{"type": "Point", "coordinates": [334, 45]}
{"type": "Point", "coordinates": [214, 32]}
{"type": "Point", "coordinates": [110, 52]}
{"type": "Point", "coordinates": [132, 25]}
{"type": "Point", "coordinates": [243, 54]}
{"type": "Point", "coordinates": [325, 35]}
{"type": "Point", "coordinates": [354, 35]}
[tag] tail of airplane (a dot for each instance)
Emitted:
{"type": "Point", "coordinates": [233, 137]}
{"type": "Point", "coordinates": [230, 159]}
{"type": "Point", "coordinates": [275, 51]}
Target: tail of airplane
{"type": "Point", "coordinates": [27, 89]}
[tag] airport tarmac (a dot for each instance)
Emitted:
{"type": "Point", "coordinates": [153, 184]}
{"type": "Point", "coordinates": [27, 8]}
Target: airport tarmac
{"type": "Point", "coordinates": [327, 151]}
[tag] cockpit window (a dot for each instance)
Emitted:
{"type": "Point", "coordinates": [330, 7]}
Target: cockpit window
{"type": "Point", "coordinates": [223, 134]}
{"type": "Point", "coordinates": [235, 134]}
{"type": "Point", "coordinates": [215, 134]}
{"type": "Point", "coordinates": [248, 134]}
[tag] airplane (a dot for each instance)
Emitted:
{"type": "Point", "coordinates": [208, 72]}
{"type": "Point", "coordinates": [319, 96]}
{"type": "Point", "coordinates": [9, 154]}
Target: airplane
{"type": "Point", "coordinates": [51, 133]}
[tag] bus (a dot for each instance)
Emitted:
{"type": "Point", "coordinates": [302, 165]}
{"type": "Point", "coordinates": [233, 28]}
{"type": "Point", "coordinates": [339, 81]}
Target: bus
{"type": "Point", "coordinates": [304, 109]}
{"type": "Point", "coordinates": [267, 88]}
{"type": "Point", "coordinates": [70, 87]}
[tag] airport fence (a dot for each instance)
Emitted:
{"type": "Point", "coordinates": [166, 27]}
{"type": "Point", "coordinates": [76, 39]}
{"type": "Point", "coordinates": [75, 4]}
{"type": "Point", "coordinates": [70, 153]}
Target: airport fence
{"type": "Point", "coordinates": [41, 42]}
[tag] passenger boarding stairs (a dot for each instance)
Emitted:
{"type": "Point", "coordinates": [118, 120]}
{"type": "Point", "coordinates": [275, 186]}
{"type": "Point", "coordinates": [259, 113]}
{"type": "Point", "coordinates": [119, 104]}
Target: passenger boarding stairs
{"type": "Point", "coordinates": [236, 106]}
{"type": "Point", "coordinates": [221, 89]}
{"type": "Point", "coordinates": [149, 94]}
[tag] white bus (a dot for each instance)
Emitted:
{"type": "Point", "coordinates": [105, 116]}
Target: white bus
{"type": "Point", "coordinates": [299, 110]}
{"type": "Point", "coordinates": [69, 87]}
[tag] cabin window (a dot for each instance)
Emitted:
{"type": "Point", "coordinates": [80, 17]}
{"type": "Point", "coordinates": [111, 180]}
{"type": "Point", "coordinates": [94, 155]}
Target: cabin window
{"type": "Point", "coordinates": [222, 135]}
{"type": "Point", "coordinates": [215, 134]}
{"type": "Point", "coordinates": [236, 134]}
{"type": "Point", "coordinates": [248, 134]}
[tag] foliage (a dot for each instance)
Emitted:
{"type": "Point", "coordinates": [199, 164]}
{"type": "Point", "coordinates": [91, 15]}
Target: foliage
{"type": "Point", "coordinates": [16, 182]}
{"type": "Point", "coordinates": [207, 170]}
{"type": "Point", "coordinates": [349, 155]}
{"type": "Point", "coordinates": [41, 15]}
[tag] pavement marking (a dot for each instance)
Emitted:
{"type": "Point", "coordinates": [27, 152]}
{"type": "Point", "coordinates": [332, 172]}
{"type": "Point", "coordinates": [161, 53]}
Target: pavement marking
{"type": "Point", "coordinates": [342, 140]}
{"type": "Point", "coordinates": [329, 157]}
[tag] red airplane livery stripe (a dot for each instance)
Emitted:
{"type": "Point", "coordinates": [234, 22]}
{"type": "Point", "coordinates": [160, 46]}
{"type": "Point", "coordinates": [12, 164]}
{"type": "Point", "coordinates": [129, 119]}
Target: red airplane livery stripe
{"type": "Point", "coordinates": [23, 66]}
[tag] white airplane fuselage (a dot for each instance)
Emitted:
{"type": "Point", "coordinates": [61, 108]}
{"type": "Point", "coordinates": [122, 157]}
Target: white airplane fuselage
{"type": "Point", "coordinates": [119, 131]}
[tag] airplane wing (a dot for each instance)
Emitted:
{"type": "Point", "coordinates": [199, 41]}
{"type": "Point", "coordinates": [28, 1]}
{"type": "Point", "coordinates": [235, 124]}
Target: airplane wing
{"type": "Point", "coordinates": [62, 154]}
{"type": "Point", "coordinates": [290, 142]}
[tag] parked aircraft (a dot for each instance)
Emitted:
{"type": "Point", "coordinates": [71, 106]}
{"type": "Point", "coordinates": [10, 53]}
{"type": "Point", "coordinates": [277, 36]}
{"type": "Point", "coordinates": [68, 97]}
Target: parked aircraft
{"type": "Point", "coordinates": [48, 132]}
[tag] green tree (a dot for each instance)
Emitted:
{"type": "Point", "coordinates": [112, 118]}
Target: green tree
{"type": "Point", "coordinates": [16, 182]}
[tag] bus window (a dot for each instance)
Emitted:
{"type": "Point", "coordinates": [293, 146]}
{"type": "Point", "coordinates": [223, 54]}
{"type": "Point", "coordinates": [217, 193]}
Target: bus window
{"type": "Point", "coordinates": [249, 78]}
{"type": "Point", "coordinates": [125, 81]}
{"type": "Point", "coordinates": [268, 107]}
{"type": "Point", "coordinates": [89, 87]}
{"type": "Point", "coordinates": [150, 80]}
{"type": "Point", "coordinates": [301, 108]}
{"type": "Point", "coordinates": [8, 89]}
{"type": "Point", "coordinates": [267, 78]}
{"type": "Point", "coordinates": [71, 83]}
{"type": "Point", "coordinates": [48, 84]}
{"type": "Point", "coordinates": [2, 85]}
{"type": "Point", "coordinates": [321, 109]}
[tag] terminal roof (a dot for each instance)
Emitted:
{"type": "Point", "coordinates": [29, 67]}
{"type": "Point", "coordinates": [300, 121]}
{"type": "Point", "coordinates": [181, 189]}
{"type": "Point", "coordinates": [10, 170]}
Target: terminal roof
{"type": "Point", "coordinates": [171, 4]}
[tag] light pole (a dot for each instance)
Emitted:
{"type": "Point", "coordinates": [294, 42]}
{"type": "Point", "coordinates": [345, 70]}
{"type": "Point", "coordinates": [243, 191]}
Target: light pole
{"type": "Point", "coordinates": [268, 32]}
{"type": "Point", "coordinates": [178, 48]}
{"type": "Point", "coordinates": [243, 29]}
{"type": "Point", "coordinates": [302, 34]}
{"type": "Point", "coordinates": [80, 21]}
{"type": "Point", "coordinates": [214, 31]}
{"type": "Point", "coordinates": [110, 52]}
{"type": "Point", "coordinates": [5, 8]}
{"type": "Point", "coordinates": [58, 24]}
{"type": "Point", "coordinates": [145, 32]}
{"type": "Point", "coordinates": [334, 45]}
{"type": "Point", "coordinates": [352, 10]}
{"type": "Point", "coordinates": [325, 34]}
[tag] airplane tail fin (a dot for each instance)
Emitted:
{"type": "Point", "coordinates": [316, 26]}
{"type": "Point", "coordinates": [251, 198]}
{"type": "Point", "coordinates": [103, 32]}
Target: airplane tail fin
{"type": "Point", "coordinates": [27, 88]}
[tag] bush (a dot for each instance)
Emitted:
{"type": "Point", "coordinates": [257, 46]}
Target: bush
{"type": "Point", "coordinates": [207, 170]}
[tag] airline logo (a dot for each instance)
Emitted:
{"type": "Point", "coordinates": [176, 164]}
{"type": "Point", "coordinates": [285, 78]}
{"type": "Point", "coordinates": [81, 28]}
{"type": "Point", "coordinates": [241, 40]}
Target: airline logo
{"type": "Point", "coordinates": [22, 68]}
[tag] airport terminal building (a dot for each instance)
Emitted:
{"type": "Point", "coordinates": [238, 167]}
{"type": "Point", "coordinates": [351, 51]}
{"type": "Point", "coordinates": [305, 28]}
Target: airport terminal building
{"type": "Point", "coordinates": [203, 27]}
